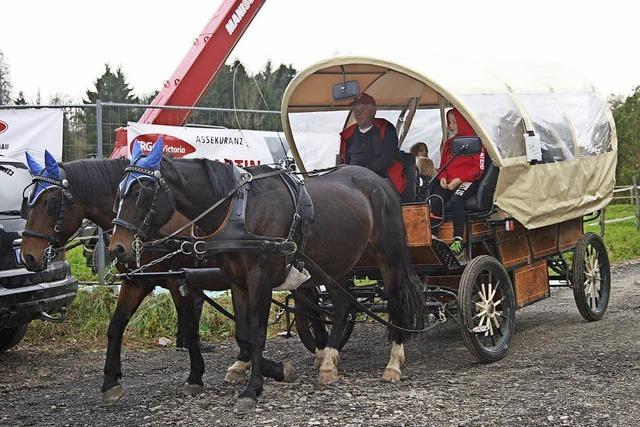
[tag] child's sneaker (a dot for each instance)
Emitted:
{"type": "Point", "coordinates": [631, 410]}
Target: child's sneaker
{"type": "Point", "coordinates": [456, 247]}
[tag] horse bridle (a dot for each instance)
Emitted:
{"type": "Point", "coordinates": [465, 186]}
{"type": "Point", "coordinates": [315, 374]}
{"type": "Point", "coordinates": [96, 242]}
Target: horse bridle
{"type": "Point", "coordinates": [140, 233]}
{"type": "Point", "coordinates": [55, 209]}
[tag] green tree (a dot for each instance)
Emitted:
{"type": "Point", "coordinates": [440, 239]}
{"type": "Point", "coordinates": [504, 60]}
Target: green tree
{"type": "Point", "coordinates": [20, 100]}
{"type": "Point", "coordinates": [5, 82]}
{"type": "Point", "coordinates": [74, 131]}
{"type": "Point", "coordinates": [149, 97]}
{"type": "Point", "coordinates": [626, 113]}
{"type": "Point", "coordinates": [234, 87]}
{"type": "Point", "coordinates": [110, 86]}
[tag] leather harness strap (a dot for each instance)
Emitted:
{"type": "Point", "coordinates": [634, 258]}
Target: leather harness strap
{"type": "Point", "coordinates": [233, 236]}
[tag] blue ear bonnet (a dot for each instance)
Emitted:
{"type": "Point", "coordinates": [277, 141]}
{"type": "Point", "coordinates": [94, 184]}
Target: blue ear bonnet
{"type": "Point", "coordinates": [44, 177]}
{"type": "Point", "coordinates": [150, 163]}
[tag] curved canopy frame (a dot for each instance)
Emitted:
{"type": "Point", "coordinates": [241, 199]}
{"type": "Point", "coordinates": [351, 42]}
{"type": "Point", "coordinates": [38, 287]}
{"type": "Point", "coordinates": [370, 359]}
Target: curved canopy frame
{"type": "Point", "coordinates": [572, 120]}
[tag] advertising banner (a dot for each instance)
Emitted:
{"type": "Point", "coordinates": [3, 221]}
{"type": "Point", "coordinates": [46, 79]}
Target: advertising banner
{"type": "Point", "coordinates": [240, 147]}
{"type": "Point", "coordinates": [31, 130]}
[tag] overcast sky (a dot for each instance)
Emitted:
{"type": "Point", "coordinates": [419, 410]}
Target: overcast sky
{"type": "Point", "coordinates": [61, 46]}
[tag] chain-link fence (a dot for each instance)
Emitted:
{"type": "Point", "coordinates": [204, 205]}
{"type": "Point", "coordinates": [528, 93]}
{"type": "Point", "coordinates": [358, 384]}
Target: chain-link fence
{"type": "Point", "coordinates": [82, 122]}
{"type": "Point", "coordinates": [89, 130]}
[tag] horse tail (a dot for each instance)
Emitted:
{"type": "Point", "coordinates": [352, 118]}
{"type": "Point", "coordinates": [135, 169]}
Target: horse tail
{"type": "Point", "coordinates": [410, 291]}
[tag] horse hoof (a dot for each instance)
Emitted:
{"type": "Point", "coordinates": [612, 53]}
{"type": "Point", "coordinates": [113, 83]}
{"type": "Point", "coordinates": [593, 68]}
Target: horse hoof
{"type": "Point", "coordinates": [235, 377]}
{"type": "Point", "coordinates": [112, 395]}
{"type": "Point", "coordinates": [328, 377]}
{"type": "Point", "coordinates": [192, 389]}
{"type": "Point", "coordinates": [391, 376]}
{"type": "Point", "coordinates": [317, 362]}
{"type": "Point", "coordinates": [244, 405]}
{"type": "Point", "coordinates": [238, 372]}
{"type": "Point", "coordinates": [290, 373]}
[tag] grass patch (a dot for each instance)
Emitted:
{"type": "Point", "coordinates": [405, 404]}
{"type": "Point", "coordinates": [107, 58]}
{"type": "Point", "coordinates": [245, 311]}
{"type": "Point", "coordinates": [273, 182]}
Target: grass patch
{"type": "Point", "coordinates": [622, 238]}
{"type": "Point", "coordinates": [79, 267]}
{"type": "Point", "coordinates": [89, 315]}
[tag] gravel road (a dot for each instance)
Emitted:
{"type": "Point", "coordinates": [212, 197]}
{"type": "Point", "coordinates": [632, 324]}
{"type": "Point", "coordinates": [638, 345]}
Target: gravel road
{"type": "Point", "coordinates": [560, 370]}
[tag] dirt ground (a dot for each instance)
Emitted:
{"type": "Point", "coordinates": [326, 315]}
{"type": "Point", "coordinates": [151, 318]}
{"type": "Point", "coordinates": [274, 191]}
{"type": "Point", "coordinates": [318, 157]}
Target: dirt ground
{"type": "Point", "coordinates": [560, 370]}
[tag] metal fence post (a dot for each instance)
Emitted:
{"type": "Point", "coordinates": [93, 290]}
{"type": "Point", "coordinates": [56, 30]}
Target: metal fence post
{"type": "Point", "coordinates": [637, 202]}
{"type": "Point", "coordinates": [602, 222]}
{"type": "Point", "coordinates": [100, 246]}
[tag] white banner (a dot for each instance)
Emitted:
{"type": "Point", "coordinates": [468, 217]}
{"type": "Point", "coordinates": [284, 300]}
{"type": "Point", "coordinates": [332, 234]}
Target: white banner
{"type": "Point", "coordinates": [31, 130]}
{"type": "Point", "coordinates": [242, 148]}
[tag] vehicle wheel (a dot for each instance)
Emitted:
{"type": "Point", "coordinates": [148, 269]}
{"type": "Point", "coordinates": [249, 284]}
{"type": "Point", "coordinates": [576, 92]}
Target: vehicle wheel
{"type": "Point", "coordinates": [591, 276]}
{"type": "Point", "coordinates": [10, 337]}
{"type": "Point", "coordinates": [487, 308]}
{"type": "Point", "coordinates": [303, 324]}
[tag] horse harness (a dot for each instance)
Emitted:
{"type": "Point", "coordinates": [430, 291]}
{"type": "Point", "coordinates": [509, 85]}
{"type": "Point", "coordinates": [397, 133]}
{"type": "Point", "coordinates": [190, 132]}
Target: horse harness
{"type": "Point", "coordinates": [55, 209]}
{"type": "Point", "coordinates": [232, 235]}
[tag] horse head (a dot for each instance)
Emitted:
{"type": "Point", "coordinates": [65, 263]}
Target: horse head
{"type": "Point", "coordinates": [49, 209]}
{"type": "Point", "coordinates": [143, 204]}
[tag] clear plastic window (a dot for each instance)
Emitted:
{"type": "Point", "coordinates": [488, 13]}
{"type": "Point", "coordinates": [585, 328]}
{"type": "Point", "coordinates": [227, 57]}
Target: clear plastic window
{"type": "Point", "coordinates": [317, 137]}
{"type": "Point", "coordinates": [587, 113]}
{"type": "Point", "coordinates": [501, 119]}
{"type": "Point", "coordinates": [426, 127]}
{"type": "Point", "coordinates": [551, 125]}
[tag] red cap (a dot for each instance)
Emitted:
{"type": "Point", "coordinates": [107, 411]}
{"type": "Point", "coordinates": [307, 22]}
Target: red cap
{"type": "Point", "coordinates": [363, 99]}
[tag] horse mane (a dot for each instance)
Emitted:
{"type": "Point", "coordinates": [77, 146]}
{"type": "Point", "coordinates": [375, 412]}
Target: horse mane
{"type": "Point", "coordinates": [92, 179]}
{"type": "Point", "coordinates": [219, 175]}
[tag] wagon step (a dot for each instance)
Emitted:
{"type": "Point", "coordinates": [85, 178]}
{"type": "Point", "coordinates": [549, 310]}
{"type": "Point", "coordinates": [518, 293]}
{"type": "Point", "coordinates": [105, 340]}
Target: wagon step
{"type": "Point", "coordinates": [445, 256]}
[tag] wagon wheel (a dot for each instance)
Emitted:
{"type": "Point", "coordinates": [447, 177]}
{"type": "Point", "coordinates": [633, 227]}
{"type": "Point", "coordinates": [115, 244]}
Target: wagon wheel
{"type": "Point", "coordinates": [487, 309]}
{"type": "Point", "coordinates": [591, 276]}
{"type": "Point", "coordinates": [304, 328]}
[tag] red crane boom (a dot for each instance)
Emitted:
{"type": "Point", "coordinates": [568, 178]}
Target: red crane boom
{"type": "Point", "coordinates": [198, 68]}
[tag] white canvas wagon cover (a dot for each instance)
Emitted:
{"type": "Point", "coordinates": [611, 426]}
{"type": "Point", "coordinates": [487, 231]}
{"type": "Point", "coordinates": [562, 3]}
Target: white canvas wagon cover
{"type": "Point", "coordinates": [502, 102]}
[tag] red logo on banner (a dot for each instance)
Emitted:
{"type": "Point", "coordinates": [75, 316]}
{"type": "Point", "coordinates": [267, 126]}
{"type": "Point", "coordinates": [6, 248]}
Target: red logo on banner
{"type": "Point", "coordinates": [3, 126]}
{"type": "Point", "coordinates": [173, 146]}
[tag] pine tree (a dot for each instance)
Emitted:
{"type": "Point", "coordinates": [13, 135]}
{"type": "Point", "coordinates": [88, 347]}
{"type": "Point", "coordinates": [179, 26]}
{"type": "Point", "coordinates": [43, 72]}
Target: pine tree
{"type": "Point", "coordinates": [5, 83]}
{"type": "Point", "coordinates": [109, 87]}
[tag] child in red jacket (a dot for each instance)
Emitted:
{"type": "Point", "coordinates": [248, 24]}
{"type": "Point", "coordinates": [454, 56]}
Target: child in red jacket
{"type": "Point", "coordinates": [459, 179]}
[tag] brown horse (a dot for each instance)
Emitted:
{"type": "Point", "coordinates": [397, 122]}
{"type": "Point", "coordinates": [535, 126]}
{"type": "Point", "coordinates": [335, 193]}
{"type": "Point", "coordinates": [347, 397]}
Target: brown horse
{"type": "Point", "coordinates": [356, 212]}
{"type": "Point", "coordinates": [88, 191]}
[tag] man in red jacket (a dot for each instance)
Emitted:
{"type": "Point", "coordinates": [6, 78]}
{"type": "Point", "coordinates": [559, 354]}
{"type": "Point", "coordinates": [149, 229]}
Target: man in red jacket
{"type": "Point", "coordinates": [372, 143]}
{"type": "Point", "coordinates": [459, 179]}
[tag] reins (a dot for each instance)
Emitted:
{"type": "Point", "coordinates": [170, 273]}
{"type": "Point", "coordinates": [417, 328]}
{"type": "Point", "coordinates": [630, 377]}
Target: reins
{"type": "Point", "coordinates": [245, 178]}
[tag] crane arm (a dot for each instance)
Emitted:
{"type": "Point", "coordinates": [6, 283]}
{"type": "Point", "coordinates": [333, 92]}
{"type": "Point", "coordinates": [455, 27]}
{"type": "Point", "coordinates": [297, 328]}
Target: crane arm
{"type": "Point", "coordinates": [198, 68]}
{"type": "Point", "coordinates": [203, 61]}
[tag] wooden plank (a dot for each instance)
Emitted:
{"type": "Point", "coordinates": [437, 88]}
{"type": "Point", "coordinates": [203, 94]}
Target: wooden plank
{"type": "Point", "coordinates": [446, 231]}
{"type": "Point", "coordinates": [416, 221]}
{"type": "Point", "coordinates": [543, 240]}
{"type": "Point", "coordinates": [513, 246]}
{"type": "Point", "coordinates": [480, 228]}
{"type": "Point", "coordinates": [531, 283]}
{"type": "Point", "coordinates": [570, 232]}
{"type": "Point", "coordinates": [423, 256]}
